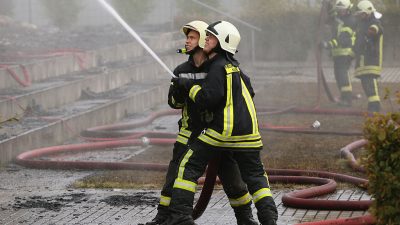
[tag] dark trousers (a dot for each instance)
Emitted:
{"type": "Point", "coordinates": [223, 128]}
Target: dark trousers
{"type": "Point", "coordinates": [193, 165]}
{"type": "Point", "coordinates": [228, 172]}
{"type": "Point", "coordinates": [341, 66]}
{"type": "Point", "coordinates": [370, 85]}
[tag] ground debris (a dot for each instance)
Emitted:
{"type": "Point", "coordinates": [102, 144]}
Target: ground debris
{"type": "Point", "coordinates": [144, 198]}
{"type": "Point", "coordinates": [54, 203]}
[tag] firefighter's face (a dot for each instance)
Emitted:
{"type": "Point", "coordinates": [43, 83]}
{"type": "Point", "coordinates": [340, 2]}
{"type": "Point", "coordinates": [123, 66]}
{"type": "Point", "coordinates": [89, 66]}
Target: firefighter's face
{"type": "Point", "coordinates": [211, 42]}
{"type": "Point", "coordinates": [362, 16]}
{"type": "Point", "coordinates": [192, 40]}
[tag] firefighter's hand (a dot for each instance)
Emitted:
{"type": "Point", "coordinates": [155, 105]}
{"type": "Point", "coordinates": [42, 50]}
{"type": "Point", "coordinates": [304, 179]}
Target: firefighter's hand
{"type": "Point", "coordinates": [184, 83]}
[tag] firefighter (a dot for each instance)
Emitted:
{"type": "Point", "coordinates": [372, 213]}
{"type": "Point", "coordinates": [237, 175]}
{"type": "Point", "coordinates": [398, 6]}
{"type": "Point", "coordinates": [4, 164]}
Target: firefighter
{"type": "Point", "coordinates": [232, 131]}
{"type": "Point", "coordinates": [190, 126]}
{"type": "Point", "coordinates": [341, 46]}
{"type": "Point", "coordinates": [368, 49]}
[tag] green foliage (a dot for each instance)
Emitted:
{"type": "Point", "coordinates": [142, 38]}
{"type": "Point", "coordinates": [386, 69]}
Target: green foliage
{"type": "Point", "coordinates": [63, 13]}
{"type": "Point", "coordinates": [133, 11]}
{"type": "Point", "coordinates": [6, 7]}
{"type": "Point", "coordinates": [382, 164]}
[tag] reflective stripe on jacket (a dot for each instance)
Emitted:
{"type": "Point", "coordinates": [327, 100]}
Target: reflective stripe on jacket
{"type": "Point", "coordinates": [225, 93]}
{"type": "Point", "coordinates": [369, 48]}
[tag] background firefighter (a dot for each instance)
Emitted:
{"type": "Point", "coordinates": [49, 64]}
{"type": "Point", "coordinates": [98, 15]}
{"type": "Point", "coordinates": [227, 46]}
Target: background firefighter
{"type": "Point", "coordinates": [368, 49]}
{"type": "Point", "coordinates": [341, 46]}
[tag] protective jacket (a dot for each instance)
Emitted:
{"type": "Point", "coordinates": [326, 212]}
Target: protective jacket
{"type": "Point", "coordinates": [192, 120]}
{"type": "Point", "coordinates": [224, 93]}
{"type": "Point", "coordinates": [343, 38]}
{"type": "Point", "coordinates": [369, 47]}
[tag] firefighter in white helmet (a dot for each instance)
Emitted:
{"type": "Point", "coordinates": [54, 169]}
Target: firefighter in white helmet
{"type": "Point", "coordinates": [368, 49]}
{"type": "Point", "coordinates": [232, 131]}
{"type": "Point", "coordinates": [192, 123]}
{"type": "Point", "coordinates": [341, 48]}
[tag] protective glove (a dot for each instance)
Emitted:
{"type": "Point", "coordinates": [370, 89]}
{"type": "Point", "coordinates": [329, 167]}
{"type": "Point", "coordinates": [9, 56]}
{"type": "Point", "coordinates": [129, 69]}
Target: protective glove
{"type": "Point", "coordinates": [184, 83]}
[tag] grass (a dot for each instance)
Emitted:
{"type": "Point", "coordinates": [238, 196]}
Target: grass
{"type": "Point", "coordinates": [282, 150]}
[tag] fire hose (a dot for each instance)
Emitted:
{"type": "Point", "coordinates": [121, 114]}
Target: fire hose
{"type": "Point", "coordinates": [293, 199]}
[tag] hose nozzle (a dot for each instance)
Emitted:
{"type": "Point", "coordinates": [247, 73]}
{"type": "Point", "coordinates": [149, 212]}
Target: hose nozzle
{"type": "Point", "coordinates": [182, 51]}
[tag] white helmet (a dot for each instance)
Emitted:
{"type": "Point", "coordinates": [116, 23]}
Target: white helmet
{"type": "Point", "coordinates": [367, 7]}
{"type": "Point", "coordinates": [198, 26]}
{"type": "Point", "coordinates": [343, 4]}
{"type": "Point", "coordinates": [227, 35]}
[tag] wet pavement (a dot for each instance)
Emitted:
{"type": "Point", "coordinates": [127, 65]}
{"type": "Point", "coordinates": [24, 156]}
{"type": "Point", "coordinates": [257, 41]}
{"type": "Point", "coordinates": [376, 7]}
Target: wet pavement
{"type": "Point", "coordinates": [30, 196]}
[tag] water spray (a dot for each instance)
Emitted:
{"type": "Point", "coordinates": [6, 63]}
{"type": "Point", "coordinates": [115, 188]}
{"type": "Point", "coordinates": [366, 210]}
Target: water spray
{"type": "Point", "coordinates": [115, 14]}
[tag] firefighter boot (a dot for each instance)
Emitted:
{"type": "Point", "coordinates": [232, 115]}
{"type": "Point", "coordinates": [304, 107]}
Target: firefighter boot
{"type": "Point", "coordinates": [345, 99]}
{"type": "Point", "coordinates": [244, 215]}
{"type": "Point", "coordinates": [179, 219]}
{"type": "Point", "coordinates": [266, 211]}
{"type": "Point", "coordinates": [162, 216]}
{"type": "Point", "coordinates": [181, 208]}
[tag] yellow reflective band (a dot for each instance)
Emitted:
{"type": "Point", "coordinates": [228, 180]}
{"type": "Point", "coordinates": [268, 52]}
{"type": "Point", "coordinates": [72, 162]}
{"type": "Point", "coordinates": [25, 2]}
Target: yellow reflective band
{"type": "Point", "coordinates": [374, 26]}
{"type": "Point", "coordinates": [265, 175]}
{"type": "Point", "coordinates": [229, 68]}
{"type": "Point", "coordinates": [185, 132]}
{"type": "Point", "coordinates": [218, 136]}
{"type": "Point", "coordinates": [346, 89]}
{"type": "Point", "coordinates": [244, 144]}
{"type": "Point", "coordinates": [376, 88]}
{"type": "Point", "coordinates": [334, 43]}
{"type": "Point", "coordinates": [262, 193]}
{"type": "Point", "coordinates": [374, 98]}
{"type": "Point", "coordinates": [165, 201]}
{"type": "Point", "coordinates": [244, 200]}
{"type": "Point", "coordinates": [228, 110]}
{"type": "Point", "coordinates": [183, 136]}
{"type": "Point", "coordinates": [193, 92]}
{"type": "Point", "coordinates": [183, 163]}
{"type": "Point", "coordinates": [182, 140]}
{"type": "Point", "coordinates": [342, 52]}
{"type": "Point", "coordinates": [346, 29]}
{"type": "Point", "coordinates": [250, 106]}
{"type": "Point", "coordinates": [363, 70]}
{"type": "Point", "coordinates": [185, 185]}
{"type": "Point", "coordinates": [185, 117]}
{"type": "Point", "coordinates": [380, 50]}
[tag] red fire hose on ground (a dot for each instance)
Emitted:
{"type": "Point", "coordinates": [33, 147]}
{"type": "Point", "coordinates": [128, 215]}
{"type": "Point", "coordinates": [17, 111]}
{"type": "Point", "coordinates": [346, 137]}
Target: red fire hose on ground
{"type": "Point", "coordinates": [79, 55]}
{"type": "Point", "coordinates": [25, 82]}
{"type": "Point", "coordinates": [299, 199]}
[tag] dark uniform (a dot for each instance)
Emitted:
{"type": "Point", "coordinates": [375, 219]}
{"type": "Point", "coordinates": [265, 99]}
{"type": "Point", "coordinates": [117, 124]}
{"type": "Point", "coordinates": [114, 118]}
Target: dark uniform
{"type": "Point", "coordinates": [368, 49]}
{"type": "Point", "coordinates": [234, 128]}
{"type": "Point", "coordinates": [341, 46]}
{"type": "Point", "coordinates": [191, 124]}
